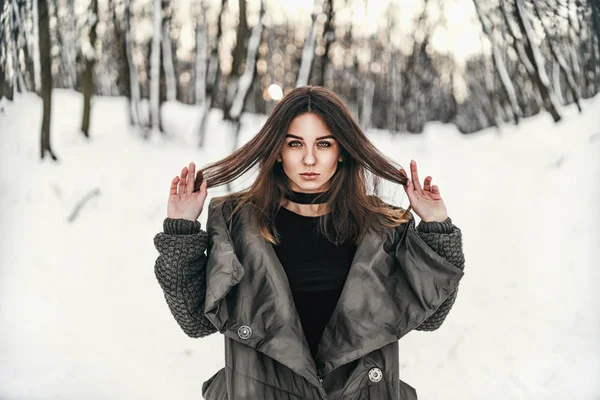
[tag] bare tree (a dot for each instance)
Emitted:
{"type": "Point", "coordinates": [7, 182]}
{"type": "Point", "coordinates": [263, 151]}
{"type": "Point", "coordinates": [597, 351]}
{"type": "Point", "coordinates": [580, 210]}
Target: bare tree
{"type": "Point", "coordinates": [308, 50]}
{"type": "Point", "coordinates": [16, 33]}
{"type": "Point", "coordinates": [530, 55]}
{"type": "Point", "coordinates": [46, 77]}
{"type": "Point", "coordinates": [499, 62]}
{"type": "Point", "coordinates": [89, 56]}
{"type": "Point", "coordinates": [201, 58]}
{"type": "Point", "coordinates": [558, 56]}
{"type": "Point", "coordinates": [134, 84]}
{"type": "Point", "coordinates": [167, 52]}
{"type": "Point", "coordinates": [239, 53]}
{"type": "Point", "coordinates": [328, 37]}
{"type": "Point", "coordinates": [155, 67]}
{"type": "Point", "coordinates": [213, 77]}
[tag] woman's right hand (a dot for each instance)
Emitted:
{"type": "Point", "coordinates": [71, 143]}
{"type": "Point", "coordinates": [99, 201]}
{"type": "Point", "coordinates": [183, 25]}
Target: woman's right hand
{"type": "Point", "coordinates": [184, 203]}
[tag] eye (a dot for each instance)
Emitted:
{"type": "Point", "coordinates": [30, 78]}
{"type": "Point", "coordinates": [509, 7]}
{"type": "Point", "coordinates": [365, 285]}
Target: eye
{"type": "Point", "coordinates": [296, 143]}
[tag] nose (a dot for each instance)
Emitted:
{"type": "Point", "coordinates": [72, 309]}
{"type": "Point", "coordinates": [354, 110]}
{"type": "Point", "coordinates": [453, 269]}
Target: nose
{"type": "Point", "coordinates": [309, 159]}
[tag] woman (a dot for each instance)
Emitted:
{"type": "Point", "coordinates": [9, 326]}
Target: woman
{"type": "Point", "coordinates": [311, 280]}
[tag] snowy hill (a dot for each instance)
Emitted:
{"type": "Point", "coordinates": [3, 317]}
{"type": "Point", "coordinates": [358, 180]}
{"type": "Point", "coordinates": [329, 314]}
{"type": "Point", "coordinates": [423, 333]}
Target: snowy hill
{"type": "Point", "coordinates": [83, 317]}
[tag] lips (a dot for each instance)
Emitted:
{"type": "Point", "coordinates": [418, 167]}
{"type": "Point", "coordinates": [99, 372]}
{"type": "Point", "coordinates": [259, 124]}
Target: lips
{"type": "Point", "coordinates": [309, 174]}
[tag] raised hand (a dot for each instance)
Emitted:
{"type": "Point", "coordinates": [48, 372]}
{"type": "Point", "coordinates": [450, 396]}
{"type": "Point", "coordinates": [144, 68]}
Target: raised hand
{"type": "Point", "coordinates": [183, 201]}
{"type": "Point", "coordinates": [426, 201]}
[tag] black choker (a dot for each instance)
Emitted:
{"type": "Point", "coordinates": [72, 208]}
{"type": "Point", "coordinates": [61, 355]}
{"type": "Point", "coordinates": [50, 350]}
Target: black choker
{"type": "Point", "coordinates": [306, 198]}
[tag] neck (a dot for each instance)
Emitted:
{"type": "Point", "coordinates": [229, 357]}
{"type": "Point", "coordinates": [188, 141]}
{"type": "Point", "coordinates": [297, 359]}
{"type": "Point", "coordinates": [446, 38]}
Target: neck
{"type": "Point", "coordinates": [305, 204]}
{"type": "Point", "coordinates": [308, 210]}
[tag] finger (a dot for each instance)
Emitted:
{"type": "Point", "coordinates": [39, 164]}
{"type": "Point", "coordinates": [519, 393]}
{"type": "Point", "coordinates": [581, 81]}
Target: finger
{"type": "Point", "coordinates": [435, 189]}
{"type": "Point", "coordinates": [427, 183]}
{"type": "Point", "coordinates": [173, 190]}
{"type": "Point", "coordinates": [410, 191]}
{"type": "Point", "coordinates": [183, 181]}
{"type": "Point", "coordinates": [189, 187]}
{"type": "Point", "coordinates": [203, 193]}
{"type": "Point", "coordinates": [415, 175]}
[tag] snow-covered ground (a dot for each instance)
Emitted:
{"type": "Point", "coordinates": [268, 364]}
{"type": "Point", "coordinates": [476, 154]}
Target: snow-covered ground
{"type": "Point", "coordinates": [83, 317]}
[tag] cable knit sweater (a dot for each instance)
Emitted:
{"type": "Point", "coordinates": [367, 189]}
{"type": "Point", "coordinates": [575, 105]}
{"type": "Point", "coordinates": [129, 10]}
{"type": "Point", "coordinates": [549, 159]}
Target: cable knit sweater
{"type": "Point", "coordinates": [180, 270]}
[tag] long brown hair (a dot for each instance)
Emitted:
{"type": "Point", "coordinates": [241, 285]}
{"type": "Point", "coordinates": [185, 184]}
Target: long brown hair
{"type": "Point", "coordinates": [351, 206]}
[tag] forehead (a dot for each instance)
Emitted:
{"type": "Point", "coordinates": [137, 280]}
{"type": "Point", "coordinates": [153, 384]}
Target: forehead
{"type": "Point", "coordinates": [308, 126]}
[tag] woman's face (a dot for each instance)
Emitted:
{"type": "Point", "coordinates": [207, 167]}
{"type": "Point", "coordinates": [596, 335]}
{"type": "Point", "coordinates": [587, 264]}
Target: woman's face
{"type": "Point", "coordinates": [309, 147]}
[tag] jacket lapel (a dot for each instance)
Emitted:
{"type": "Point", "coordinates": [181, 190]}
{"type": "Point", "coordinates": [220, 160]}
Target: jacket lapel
{"type": "Point", "coordinates": [395, 282]}
{"type": "Point", "coordinates": [247, 286]}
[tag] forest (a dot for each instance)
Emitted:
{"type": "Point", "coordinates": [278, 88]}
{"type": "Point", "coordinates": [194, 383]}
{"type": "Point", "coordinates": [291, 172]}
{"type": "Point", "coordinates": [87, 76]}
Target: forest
{"type": "Point", "coordinates": [534, 57]}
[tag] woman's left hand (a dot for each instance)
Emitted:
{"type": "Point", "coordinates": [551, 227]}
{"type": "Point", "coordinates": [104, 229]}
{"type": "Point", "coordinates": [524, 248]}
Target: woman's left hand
{"type": "Point", "coordinates": [426, 201]}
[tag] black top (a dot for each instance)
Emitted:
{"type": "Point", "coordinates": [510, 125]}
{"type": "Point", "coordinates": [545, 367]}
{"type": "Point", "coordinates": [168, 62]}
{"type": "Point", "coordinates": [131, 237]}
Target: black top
{"type": "Point", "coordinates": [316, 270]}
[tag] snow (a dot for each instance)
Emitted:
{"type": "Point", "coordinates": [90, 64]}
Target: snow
{"type": "Point", "coordinates": [83, 317]}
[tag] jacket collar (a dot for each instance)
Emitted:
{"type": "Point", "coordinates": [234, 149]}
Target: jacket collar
{"type": "Point", "coordinates": [395, 282]}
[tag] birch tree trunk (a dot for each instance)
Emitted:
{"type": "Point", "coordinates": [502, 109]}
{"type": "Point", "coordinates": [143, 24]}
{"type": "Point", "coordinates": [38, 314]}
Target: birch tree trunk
{"type": "Point", "coordinates": [308, 53]}
{"type": "Point", "coordinates": [46, 77]}
{"type": "Point", "coordinates": [16, 29]}
{"type": "Point", "coordinates": [89, 56]}
{"type": "Point", "coordinates": [134, 83]}
{"type": "Point", "coordinates": [538, 75]}
{"type": "Point", "coordinates": [201, 60]}
{"type": "Point", "coordinates": [329, 36]}
{"type": "Point", "coordinates": [245, 81]}
{"type": "Point", "coordinates": [499, 63]}
{"type": "Point", "coordinates": [167, 53]}
{"type": "Point", "coordinates": [239, 52]}
{"type": "Point", "coordinates": [213, 78]}
{"type": "Point", "coordinates": [155, 67]}
{"type": "Point", "coordinates": [558, 56]}
{"type": "Point", "coordinates": [36, 48]}
{"type": "Point", "coordinates": [367, 102]}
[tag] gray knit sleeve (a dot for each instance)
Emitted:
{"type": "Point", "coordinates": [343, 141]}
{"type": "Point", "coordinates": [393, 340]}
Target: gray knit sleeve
{"type": "Point", "coordinates": [181, 272]}
{"type": "Point", "coordinates": [445, 239]}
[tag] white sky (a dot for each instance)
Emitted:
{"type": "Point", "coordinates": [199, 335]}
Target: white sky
{"type": "Point", "coordinates": [83, 317]}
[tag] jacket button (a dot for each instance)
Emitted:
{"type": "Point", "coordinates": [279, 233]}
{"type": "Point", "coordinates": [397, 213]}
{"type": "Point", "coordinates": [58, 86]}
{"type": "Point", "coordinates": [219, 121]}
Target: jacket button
{"type": "Point", "coordinates": [375, 374]}
{"type": "Point", "coordinates": [244, 332]}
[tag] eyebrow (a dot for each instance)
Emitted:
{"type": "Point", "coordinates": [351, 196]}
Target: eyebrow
{"type": "Point", "coordinates": [319, 138]}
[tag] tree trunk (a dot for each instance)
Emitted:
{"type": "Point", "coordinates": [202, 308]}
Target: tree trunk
{"type": "Point", "coordinates": [499, 64]}
{"type": "Point", "coordinates": [201, 61]}
{"type": "Point", "coordinates": [538, 75]}
{"type": "Point", "coordinates": [132, 69]}
{"type": "Point", "coordinates": [155, 67]}
{"type": "Point", "coordinates": [245, 81]}
{"type": "Point", "coordinates": [329, 36]}
{"type": "Point", "coordinates": [167, 53]}
{"type": "Point", "coordinates": [89, 56]}
{"type": "Point", "coordinates": [213, 77]}
{"type": "Point", "coordinates": [16, 29]}
{"type": "Point", "coordinates": [559, 58]}
{"type": "Point", "coordinates": [36, 48]}
{"type": "Point", "coordinates": [239, 52]}
{"type": "Point", "coordinates": [367, 102]}
{"type": "Point", "coordinates": [46, 77]}
{"type": "Point", "coordinates": [308, 54]}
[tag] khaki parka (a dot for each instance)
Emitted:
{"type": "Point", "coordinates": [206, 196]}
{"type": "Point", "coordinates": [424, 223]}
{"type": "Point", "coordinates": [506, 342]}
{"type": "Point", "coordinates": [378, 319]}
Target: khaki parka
{"type": "Point", "coordinates": [239, 288]}
{"type": "Point", "coordinates": [395, 282]}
